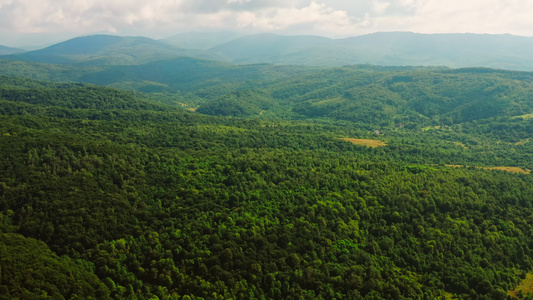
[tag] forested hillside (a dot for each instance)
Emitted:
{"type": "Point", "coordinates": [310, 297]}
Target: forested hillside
{"type": "Point", "coordinates": [124, 194]}
{"type": "Point", "coordinates": [381, 96]}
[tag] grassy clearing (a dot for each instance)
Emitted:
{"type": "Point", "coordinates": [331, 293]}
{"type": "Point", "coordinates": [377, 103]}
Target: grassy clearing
{"type": "Point", "coordinates": [508, 169]}
{"type": "Point", "coordinates": [436, 127]}
{"type": "Point", "coordinates": [365, 142]}
{"type": "Point", "coordinates": [460, 145]}
{"type": "Point", "coordinates": [526, 286]}
{"type": "Point", "coordinates": [329, 101]}
{"type": "Point", "coordinates": [522, 142]}
{"type": "Point", "coordinates": [449, 296]}
{"type": "Point", "coordinates": [525, 117]}
{"type": "Point", "coordinates": [193, 108]}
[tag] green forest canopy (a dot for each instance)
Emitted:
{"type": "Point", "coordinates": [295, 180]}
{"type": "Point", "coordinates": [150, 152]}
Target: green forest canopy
{"type": "Point", "coordinates": [143, 199]}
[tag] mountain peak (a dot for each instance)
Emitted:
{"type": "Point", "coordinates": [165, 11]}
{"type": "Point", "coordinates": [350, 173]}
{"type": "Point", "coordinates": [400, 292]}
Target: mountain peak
{"type": "Point", "coordinates": [103, 49]}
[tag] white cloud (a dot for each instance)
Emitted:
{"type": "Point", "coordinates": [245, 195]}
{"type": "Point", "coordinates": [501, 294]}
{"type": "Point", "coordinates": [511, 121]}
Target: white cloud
{"type": "Point", "coordinates": [326, 17]}
{"type": "Point", "coordinates": [85, 16]}
{"type": "Point", "coordinates": [314, 15]}
{"type": "Point", "coordinates": [478, 16]}
{"type": "Point", "coordinates": [82, 15]}
{"type": "Point", "coordinates": [380, 7]}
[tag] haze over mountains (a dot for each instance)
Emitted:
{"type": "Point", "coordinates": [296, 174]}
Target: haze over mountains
{"type": "Point", "coordinates": [109, 50]}
{"type": "Point", "coordinates": [384, 48]}
{"type": "Point", "coordinates": [201, 40]}
{"type": "Point", "coordinates": [9, 50]}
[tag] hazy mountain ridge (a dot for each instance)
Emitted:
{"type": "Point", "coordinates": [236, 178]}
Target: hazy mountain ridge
{"type": "Point", "coordinates": [9, 50]}
{"type": "Point", "coordinates": [267, 47]}
{"type": "Point", "coordinates": [201, 40]}
{"type": "Point", "coordinates": [386, 48]}
{"type": "Point", "coordinates": [170, 76]}
{"type": "Point", "coordinates": [109, 50]}
{"type": "Point", "coordinates": [502, 51]}
{"type": "Point", "coordinates": [362, 93]}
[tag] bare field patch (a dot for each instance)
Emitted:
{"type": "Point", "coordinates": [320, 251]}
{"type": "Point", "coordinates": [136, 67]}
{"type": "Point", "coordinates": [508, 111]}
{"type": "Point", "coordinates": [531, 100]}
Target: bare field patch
{"type": "Point", "coordinates": [365, 142]}
{"type": "Point", "coordinates": [522, 142]}
{"type": "Point", "coordinates": [526, 286]}
{"type": "Point", "coordinates": [507, 169]}
{"type": "Point", "coordinates": [455, 166]}
{"type": "Point", "coordinates": [460, 145]}
{"type": "Point", "coordinates": [525, 117]}
{"type": "Point", "coordinates": [193, 108]}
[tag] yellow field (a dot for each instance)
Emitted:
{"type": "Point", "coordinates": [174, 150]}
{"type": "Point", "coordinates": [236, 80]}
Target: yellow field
{"type": "Point", "coordinates": [525, 117]}
{"type": "Point", "coordinates": [461, 145]}
{"type": "Point", "coordinates": [522, 142]}
{"type": "Point", "coordinates": [526, 286]}
{"type": "Point", "coordinates": [364, 142]}
{"type": "Point", "coordinates": [508, 169]}
{"type": "Point", "coordinates": [449, 296]}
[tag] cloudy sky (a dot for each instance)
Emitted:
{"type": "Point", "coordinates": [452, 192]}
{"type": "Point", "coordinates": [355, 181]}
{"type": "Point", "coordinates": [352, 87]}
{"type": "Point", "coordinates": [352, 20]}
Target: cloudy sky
{"type": "Point", "coordinates": [30, 22]}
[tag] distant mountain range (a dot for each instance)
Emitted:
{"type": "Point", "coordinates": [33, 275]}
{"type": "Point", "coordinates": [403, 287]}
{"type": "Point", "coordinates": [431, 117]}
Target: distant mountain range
{"type": "Point", "coordinates": [8, 50]}
{"type": "Point", "coordinates": [201, 40]}
{"type": "Point", "coordinates": [271, 48]}
{"type": "Point", "coordinates": [384, 48]}
{"type": "Point", "coordinates": [109, 50]}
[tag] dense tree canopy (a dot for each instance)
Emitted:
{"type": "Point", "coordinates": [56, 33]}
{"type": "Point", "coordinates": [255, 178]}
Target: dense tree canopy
{"type": "Point", "coordinates": [106, 194]}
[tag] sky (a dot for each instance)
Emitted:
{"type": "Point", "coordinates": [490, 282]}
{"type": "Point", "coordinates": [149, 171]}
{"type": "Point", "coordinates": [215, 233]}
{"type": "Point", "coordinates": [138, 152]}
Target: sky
{"type": "Point", "coordinates": [30, 23]}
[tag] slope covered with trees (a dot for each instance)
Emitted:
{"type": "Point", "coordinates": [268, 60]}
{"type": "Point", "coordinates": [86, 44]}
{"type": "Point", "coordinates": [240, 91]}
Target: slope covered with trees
{"type": "Point", "coordinates": [31, 271]}
{"type": "Point", "coordinates": [158, 201]}
{"type": "Point", "coordinates": [374, 95]}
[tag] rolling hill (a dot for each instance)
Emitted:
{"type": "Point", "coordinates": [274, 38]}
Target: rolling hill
{"type": "Point", "coordinates": [9, 50]}
{"type": "Point", "coordinates": [419, 96]}
{"type": "Point", "coordinates": [385, 48]}
{"type": "Point", "coordinates": [266, 47]}
{"type": "Point", "coordinates": [201, 40]}
{"type": "Point", "coordinates": [452, 50]}
{"type": "Point", "coordinates": [108, 50]}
